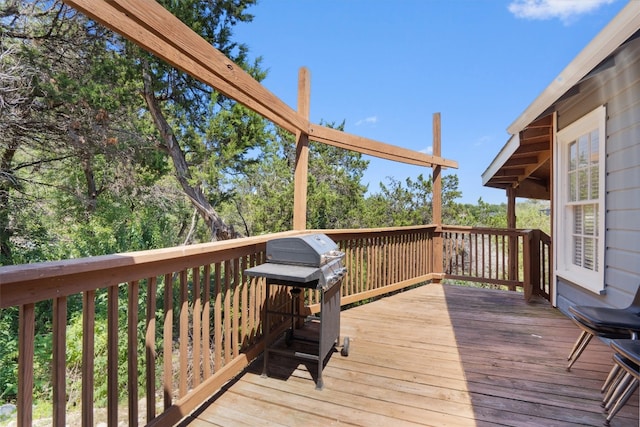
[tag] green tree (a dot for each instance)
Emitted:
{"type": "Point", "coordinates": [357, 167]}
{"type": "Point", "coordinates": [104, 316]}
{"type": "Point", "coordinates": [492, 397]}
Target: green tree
{"type": "Point", "coordinates": [262, 201]}
{"type": "Point", "coordinates": [335, 193]}
{"type": "Point", "coordinates": [75, 152]}
{"type": "Point", "coordinates": [533, 214]}
{"type": "Point", "coordinates": [483, 214]}
{"type": "Point", "coordinates": [204, 133]}
{"type": "Point", "coordinates": [411, 202]}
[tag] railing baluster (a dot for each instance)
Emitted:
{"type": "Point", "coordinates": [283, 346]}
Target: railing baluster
{"type": "Point", "coordinates": [463, 252]}
{"type": "Point", "coordinates": [244, 309]}
{"type": "Point", "coordinates": [217, 313]}
{"type": "Point", "coordinates": [503, 264]}
{"type": "Point", "coordinates": [206, 321]}
{"type": "Point", "coordinates": [184, 334]}
{"type": "Point", "coordinates": [236, 312]}
{"type": "Point", "coordinates": [490, 255]}
{"type": "Point", "coordinates": [150, 345]}
{"type": "Point", "coordinates": [379, 266]}
{"type": "Point", "coordinates": [384, 261]}
{"type": "Point", "coordinates": [132, 351]}
{"type": "Point", "coordinates": [167, 342]}
{"type": "Point", "coordinates": [197, 329]}
{"type": "Point", "coordinates": [112, 355]}
{"type": "Point", "coordinates": [26, 339]}
{"type": "Point", "coordinates": [452, 254]}
{"type": "Point", "coordinates": [253, 306]}
{"type": "Point", "coordinates": [375, 273]}
{"type": "Point", "coordinates": [475, 256]}
{"type": "Point", "coordinates": [484, 263]}
{"type": "Point", "coordinates": [414, 250]}
{"type": "Point", "coordinates": [88, 353]}
{"type": "Point", "coordinates": [395, 276]}
{"type": "Point", "coordinates": [59, 374]}
{"type": "Point", "coordinates": [228, 334]}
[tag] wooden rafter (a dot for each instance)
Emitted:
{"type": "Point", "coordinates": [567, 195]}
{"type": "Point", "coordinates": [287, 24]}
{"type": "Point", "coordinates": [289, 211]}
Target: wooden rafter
{"type": "Point", "coordinates": [531, 168]}
{"type": "Point", "coordinates": [527, 170]}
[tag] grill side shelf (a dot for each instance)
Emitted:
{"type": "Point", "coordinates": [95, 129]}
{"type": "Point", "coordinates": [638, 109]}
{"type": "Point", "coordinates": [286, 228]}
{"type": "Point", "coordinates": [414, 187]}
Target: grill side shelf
{"type": "Point", "coordinates": [294, 275]}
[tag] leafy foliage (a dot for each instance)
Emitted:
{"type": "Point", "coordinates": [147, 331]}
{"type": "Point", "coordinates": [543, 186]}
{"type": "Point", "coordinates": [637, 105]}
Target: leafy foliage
{"type": "Point", "coordinates": [86, 167]}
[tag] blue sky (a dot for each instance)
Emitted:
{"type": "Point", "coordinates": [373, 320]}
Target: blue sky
{"type": "Point", "coordinates": [385, 66]}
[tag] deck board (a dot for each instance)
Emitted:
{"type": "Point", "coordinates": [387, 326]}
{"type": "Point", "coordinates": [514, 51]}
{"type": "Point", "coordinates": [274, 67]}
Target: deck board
{"type": "Point", "coordinates": [438, 355]}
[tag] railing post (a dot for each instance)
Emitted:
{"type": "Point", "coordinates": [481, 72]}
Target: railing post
{"type": "Point", "coordinates": [535, 261]}
{"type": "Point", "coordinates": [531, 257]}
{"type": "Point", "coordinates": [513, 239]}
{"type": "Point", "coordinates": [302, 154]}
{"type": "Point", "coordinates": [527, 285]}
{"type": "Point", "coordinates": [436, 200]}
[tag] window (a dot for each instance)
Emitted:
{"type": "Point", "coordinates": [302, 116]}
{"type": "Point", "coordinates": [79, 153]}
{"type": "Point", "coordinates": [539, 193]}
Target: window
{"type": "Point", "coordinates": [580, 201]}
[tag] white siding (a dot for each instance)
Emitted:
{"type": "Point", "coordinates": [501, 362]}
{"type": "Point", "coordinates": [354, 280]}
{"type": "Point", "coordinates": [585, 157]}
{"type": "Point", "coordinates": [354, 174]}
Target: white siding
{"type": "Point", "coordinates": [619, 89]}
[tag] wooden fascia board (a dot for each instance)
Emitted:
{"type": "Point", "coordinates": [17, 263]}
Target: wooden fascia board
{"type": "Point", "coordinates": [152, 27]}
{"type": "Point", "coordinates": [505, 154]}
{"type": "Point", "coordinates": [374, 148]}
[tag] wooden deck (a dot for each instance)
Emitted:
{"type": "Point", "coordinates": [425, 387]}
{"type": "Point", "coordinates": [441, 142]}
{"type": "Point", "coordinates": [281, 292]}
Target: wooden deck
{"type": "Point", "coordinates": [438, 355]}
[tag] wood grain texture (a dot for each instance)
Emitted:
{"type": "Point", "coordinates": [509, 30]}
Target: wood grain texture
{"type": "Point", "coordinates": [432, 356]}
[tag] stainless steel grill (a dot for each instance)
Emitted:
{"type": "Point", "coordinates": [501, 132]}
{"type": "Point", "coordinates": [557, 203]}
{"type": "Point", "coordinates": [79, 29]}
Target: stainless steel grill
{"type": "Point", "coordinates": [308, 261]}
{"type": "Point", "coordinates": [311, 261]}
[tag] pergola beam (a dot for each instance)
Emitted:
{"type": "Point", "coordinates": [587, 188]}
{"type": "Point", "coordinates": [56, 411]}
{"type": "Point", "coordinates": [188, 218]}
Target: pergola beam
{"type": "Point", "coordinates": [153, 28]}
{"type": "Point", "coordinates": [375, 148]}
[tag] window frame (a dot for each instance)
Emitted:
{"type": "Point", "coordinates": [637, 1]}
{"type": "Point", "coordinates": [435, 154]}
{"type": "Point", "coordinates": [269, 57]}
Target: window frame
{"type": "Point", "coordinates": [564, 217]}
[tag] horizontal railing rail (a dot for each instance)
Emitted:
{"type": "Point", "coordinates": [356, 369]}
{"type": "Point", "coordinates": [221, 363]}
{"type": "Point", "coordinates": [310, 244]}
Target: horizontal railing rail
{"type": "Point", "coordinates": [186, 319]}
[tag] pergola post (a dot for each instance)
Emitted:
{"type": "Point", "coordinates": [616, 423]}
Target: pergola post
{"type": "Point", "coordinates": [436, 199]}
{"type": "Point", "coordinates": [511, 225]}
{"type": "Point", "coordinates": [302, 154]}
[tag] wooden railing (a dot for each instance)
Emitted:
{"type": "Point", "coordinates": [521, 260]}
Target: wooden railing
{"type": "Point", "coordinates": [380, 261]}
{"type": "Point", "coordinates": [515, 259]}
{"type": "Point", "coordinates": [193, 320]}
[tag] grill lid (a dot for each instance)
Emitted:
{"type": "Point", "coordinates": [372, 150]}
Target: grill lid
{"type": "Point", "coordinates": [310, 260]}
{"type": "Point", "coordinates": [312, 250]}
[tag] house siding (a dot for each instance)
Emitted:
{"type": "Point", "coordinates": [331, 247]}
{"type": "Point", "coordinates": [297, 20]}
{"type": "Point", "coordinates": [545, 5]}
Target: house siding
{"type": "Point", "coordinates": [619, 89]}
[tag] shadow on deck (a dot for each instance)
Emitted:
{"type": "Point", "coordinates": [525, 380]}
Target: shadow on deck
{"type": "Point", "coordinates": [432, 356]}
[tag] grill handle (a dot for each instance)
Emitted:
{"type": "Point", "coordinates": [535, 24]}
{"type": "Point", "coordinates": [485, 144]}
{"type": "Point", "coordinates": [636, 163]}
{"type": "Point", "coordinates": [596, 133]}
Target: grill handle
{"type": "Point", "coordinates": [330, 256]}
{"type": "Point", "coordinates": [336, 275]}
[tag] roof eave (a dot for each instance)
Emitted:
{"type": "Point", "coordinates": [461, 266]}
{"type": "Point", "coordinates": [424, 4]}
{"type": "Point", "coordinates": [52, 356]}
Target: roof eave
{"type": "Point", "coordinates": [507, 151]}
{"type": "Point", "coordinates": [621, 27]}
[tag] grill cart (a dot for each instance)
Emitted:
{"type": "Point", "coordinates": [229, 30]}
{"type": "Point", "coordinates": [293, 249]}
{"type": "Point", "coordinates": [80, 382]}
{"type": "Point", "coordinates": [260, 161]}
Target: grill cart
{"type": "Point", "coordinates": [310, 261]}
